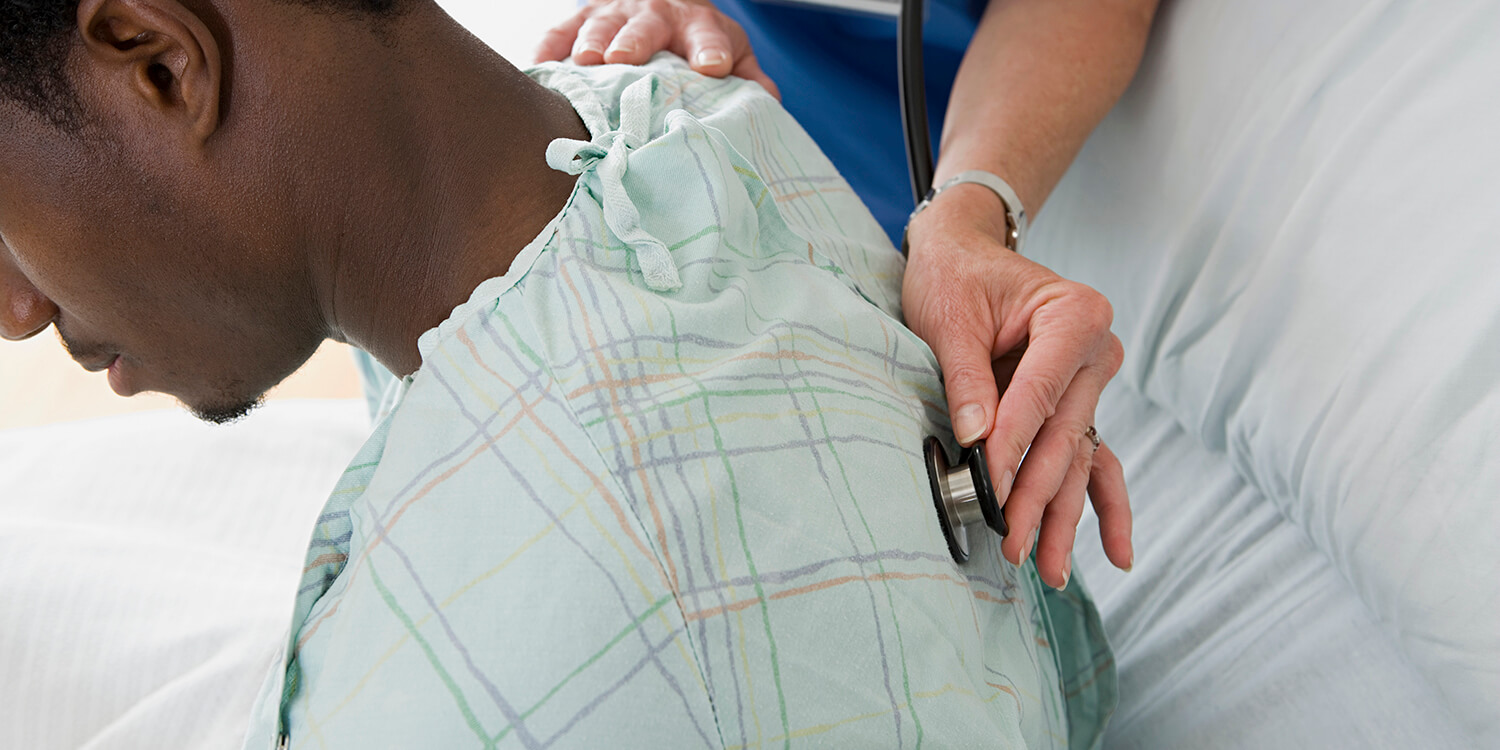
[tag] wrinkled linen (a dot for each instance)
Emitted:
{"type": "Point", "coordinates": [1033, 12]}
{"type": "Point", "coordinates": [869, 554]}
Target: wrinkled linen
{"type": "Point", "coordinates": [661, 484]}
{"type": "Point", "coordinates": [1293, 210]}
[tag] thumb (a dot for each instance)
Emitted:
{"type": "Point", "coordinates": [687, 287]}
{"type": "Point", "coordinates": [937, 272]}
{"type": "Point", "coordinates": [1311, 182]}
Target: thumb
{"type": "Point", "coordinates": [969, 379]}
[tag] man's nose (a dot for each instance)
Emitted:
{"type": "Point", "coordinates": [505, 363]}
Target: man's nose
{"type": "Point", "coordinates": [24, 311]}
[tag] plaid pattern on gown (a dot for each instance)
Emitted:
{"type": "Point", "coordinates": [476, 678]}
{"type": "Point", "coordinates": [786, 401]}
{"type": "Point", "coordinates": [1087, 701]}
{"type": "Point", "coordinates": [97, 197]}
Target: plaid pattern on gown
{"type": "Point", "coordinates": [661, 484]}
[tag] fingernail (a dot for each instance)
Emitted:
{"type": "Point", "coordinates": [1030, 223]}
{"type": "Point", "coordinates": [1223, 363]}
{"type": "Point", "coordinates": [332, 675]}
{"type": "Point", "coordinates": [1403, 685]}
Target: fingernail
{"type": "Point", "coordinates": [968, 423]}
{"type": "Point", "coordinates": [709, 58]}
{"type": "Point", "coordinates": [1030, 543]}
{"type": "Point", "coordinates": [1130, 563]}
{"type": "Point", "coordinates": [588, 47]}
{"type": "Point", "coordinates": [1005, 482]}
{"type": "Point", "coordinates": [625, 47]}
{"type": "Point", "coordinates": [1067, 572]}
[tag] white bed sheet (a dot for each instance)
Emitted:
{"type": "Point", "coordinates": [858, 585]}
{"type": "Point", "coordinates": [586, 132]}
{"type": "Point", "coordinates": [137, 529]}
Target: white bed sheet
{"type": "Point", "coordinates": [1233, 630]}
{"type": "Point", "coordinates": [148, 566]}
{"type": "Point", "coordinates": [1293, 210]}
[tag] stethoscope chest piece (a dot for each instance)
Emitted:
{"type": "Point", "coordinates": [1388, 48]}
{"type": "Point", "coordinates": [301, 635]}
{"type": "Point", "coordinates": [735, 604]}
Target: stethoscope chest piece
{"type": "Point", "coordinates": [963, 494]}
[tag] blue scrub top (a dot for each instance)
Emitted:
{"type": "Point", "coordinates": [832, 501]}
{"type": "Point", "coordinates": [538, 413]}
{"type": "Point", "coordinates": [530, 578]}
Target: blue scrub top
{"type": "Point", "coordinates": [837, 73]}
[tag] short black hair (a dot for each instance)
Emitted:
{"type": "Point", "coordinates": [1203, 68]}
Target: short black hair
{"type": "Point", "coordinates": [33, 52]}
{"type": "Point", "coordinates": [36, 36]}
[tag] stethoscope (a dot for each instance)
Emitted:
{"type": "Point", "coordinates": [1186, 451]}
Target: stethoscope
{"type": "Point", "coordinates": [961, 492]}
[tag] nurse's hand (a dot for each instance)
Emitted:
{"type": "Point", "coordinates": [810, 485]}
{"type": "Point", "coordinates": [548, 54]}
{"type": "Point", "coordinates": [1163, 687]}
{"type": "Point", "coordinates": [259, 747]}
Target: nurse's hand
{"type": "Point", "coordinates": [631, 31]}
{"type": "Point", "coordinates": [1000, 323]}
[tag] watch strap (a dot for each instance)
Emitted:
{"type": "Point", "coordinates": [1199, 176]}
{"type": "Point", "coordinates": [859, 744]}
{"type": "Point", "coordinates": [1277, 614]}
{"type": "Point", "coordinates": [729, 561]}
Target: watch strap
{"type": "Point", "coordinates": [1015, 213]}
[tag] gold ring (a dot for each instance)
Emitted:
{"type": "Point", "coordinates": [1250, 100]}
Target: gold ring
{"type": "Point", "coordinates": [1093, 436]}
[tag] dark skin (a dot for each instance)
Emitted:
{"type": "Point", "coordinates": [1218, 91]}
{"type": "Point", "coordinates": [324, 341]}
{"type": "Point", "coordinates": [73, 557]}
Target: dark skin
{"type": "Point", "coordinates": [255, 177]}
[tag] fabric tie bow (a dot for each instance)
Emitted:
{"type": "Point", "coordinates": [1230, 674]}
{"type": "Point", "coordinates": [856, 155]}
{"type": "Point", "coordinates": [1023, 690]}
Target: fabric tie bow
{"type": "Point", "coordinates": [609, 152]}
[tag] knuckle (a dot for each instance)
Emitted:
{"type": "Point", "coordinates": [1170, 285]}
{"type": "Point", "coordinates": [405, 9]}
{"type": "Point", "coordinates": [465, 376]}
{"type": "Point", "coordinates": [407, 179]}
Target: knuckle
{"type": "Point", "coordinates": [1114, 355]}
{"type": "Point", "coordinates": [1097, 311]}
{"type": "Point", "coordinates": [593, 25]}
{"type": "Point", "coordinates": [708, 14]}
{"type": "Point", "coordinates": [963, 375]}
{"type": "Point", "coordinates": [1085, 305]}
{"type": "Point", "coordinates": [1071, 426]}
{"type": "Point", "coordinates": [1083, 455]}
{"type": "Point", "coordinates": [1074, 446]}
{"type": "Point", "coordinates": [1040, 396]}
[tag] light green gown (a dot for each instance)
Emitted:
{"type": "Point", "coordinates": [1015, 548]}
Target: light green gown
{"type": "Point", "coordinates": [661, 484]}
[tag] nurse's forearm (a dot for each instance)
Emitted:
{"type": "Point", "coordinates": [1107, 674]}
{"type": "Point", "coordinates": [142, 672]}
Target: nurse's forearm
{"type": "Point", "coordinates": [1038, 77]}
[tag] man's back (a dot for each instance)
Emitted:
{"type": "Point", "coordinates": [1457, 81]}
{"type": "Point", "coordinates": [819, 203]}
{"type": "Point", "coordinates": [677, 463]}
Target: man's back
{"type": "Point", "coordinates": [661, 484]}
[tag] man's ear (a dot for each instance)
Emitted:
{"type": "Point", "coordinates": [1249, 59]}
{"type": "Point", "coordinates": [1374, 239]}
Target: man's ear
{"type": "Point", "coordinates": [159, 52]}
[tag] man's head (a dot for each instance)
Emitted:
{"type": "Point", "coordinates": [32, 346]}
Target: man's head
{"type": "Point", "coordinates": [167, 183]}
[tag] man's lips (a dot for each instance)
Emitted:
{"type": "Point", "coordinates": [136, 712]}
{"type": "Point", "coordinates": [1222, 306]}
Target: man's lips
{"type": "Point", "coordinates": [99, 365]}
{"type": "Point", "coordinates": [96, 358]}
{"type": "Point", "coordinates": [118, 382]}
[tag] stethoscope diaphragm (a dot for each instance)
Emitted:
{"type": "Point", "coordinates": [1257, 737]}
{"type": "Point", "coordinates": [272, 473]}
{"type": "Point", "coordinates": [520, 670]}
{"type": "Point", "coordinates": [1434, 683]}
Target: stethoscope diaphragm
{"type": "Point", "coordinates": [962, 494]}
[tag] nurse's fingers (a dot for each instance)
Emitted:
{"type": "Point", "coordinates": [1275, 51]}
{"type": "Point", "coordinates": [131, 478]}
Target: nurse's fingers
{"type": "Point", "coordinates": [1054, 472]}
{"type": "Point", "coordinates": [644, 35]}
{"type": "Point", "coordinates": [966, 357]}
{"type": "Point", "coordinates": [716, 46]}
{"type": "Point", "coordinates": [557, 42]}
{"type": "Point", "coordinates": [1054, 544]}
{"type": "Point", "coordinates": [1068, 331]}
{"type": "Point", "coordinates": [595, 35]}
{"type": "Point", "coordinates": [1112, 505]}
{"type": "Point", "coordinates": [708, 45]}
{"type": "Point", "coordinates": [1051, 461]}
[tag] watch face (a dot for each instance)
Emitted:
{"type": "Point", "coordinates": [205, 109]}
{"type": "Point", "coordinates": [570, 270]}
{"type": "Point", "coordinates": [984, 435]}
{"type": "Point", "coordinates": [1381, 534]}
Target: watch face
{"type": "Point", "coordinates": [872, 7]}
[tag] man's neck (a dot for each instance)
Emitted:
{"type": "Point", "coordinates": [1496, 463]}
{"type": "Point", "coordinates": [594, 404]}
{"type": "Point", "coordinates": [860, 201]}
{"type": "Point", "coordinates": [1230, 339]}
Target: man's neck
{"type": "Point", "coordinates": [462, 186]}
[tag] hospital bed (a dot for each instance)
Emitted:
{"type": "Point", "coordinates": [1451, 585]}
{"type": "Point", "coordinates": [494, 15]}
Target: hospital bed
{"type": "Point", "coordinates": [1296, 213]}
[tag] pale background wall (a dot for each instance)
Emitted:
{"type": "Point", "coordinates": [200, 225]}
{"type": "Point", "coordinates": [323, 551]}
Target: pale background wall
{"type": "Point", "coordinates": [39, 384]}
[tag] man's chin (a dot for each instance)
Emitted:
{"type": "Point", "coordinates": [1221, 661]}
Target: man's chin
{"type": "Point", "coordinates": [225, 413]}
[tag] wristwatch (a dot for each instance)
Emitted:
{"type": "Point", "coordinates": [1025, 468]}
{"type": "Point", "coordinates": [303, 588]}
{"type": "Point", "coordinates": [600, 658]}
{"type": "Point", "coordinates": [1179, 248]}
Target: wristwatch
{"type": "Point", "coordinates": [1015, 213]}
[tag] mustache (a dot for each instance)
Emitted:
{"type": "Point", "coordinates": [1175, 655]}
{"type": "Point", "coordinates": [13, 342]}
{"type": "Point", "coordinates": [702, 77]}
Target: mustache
{"type": "Point", "coordinates": [78, 350]}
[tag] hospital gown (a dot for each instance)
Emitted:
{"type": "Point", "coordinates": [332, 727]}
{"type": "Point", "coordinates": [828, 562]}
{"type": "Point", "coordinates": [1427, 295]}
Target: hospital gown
{"type": "Point", "coordinates": [661, 484]}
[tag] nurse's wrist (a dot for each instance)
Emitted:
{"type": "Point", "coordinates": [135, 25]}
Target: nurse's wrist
{"type": "Point", "coordinates": [964, 209]}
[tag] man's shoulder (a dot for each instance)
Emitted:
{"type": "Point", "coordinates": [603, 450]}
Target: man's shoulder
{"type": "Point", "coordinates": [766, 143]}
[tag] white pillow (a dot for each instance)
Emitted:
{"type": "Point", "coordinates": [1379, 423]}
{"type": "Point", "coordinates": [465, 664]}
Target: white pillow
{"type": "Point", "coordinates": [1296, 211]}
{"type": "Point", "coordinates": [148, 565]}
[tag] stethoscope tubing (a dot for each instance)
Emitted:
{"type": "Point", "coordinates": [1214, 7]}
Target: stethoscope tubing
{"type": "Point", "coordinates": [962, 494]}
{"type": "Point", "coordinates": [913, 90]}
